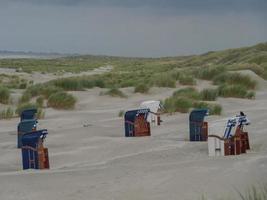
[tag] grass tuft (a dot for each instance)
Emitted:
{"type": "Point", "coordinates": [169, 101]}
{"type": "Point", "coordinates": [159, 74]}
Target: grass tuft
{"type": "Point", "coordinates": [4, 95]}
{"type": "Point", "coordinates": [7, 113]}
{"type": "Point", "coordinates": [114, 92]}
{"type": "Point", "coordinates": [61, 100]}
{"type": "Point", "coordinates": [141, 88]}
{"type": "Point", "coordinates": [209, 94]}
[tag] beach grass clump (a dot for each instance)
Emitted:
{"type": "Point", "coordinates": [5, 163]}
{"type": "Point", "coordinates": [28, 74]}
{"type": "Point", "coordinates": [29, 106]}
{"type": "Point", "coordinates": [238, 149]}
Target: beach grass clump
{"type": "Point", "coordinates": [188, 92]}
{"type": "Point", "coordinates": [237, 91]}
{"type": "Point", "coordinates": [23, 106]}
{"type": "Point", "coordinates": [114, 92]}
{"type": "Point", "coordinates": [235, 79]}
{"type": "Point", "coordinates": [40, 101]}
{"type": "Point", "coordinates": [214, 109]}
{"type": "Point", "coordinates": [208, 73]}
{"type": "Point", "coordinates": [209, 94]}
{"type": "Point", "coordinates": [121, 113]}
{"type": "Point", "coordinates": [187, 80]}
{"type": "Point", "coordinates": [258, 192]}
{"type": "Point", "coordinates": [48, 90]}
{"type": "Point", "coordinates": [251, 95]}
{"type": "Point", "coordinates": [177, 104]}
{"type": "Point", "coordinates": [141, 88]}
{"type": "Point", "coordinates": [26, 97]}
{"type": "Point", "coordinates": [61, 100]}
{"type": "Point", "coordinates": [69, 84]}
{"type": "Point", "coordinates": [4, 95]}
{"type": "Point", "coordinates": [7, 113]}
{"type": "Point", "coordinates": [164, 80]}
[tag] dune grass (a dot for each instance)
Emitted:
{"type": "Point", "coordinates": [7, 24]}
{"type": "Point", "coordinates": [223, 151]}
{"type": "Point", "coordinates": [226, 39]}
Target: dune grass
{"type": "Point", "coordinates": [254, 192]}
{"type": "Point", "coordinates": [187, 80]}
{"type": "Point", "coordinates": [185, 99]}
{"type": "Point", "coordinates": [141, 88]}
{"type": "Point", "coordinates": [40, 101]}
{"type": "Point", "coordinates": [61, 100]}
{"type": "Point", "coordinates": [121, 113]}
{"type": "Point", "coordinates": [7, 113]}
{"type": "Point", "coordinates": [209, 94]}
{"type": "Point", "coordinates": [235, 79]}
{"type": "Point", "coordinates": [4, 95]}
{"type": "Point", "coordinates": [13, 81]}
{"type": "Point", "coordinates": [237, 91]}
{"type": "Point", "coordinates": [114, 92]}
{"type": "Point", "coordinates": [40, 112]}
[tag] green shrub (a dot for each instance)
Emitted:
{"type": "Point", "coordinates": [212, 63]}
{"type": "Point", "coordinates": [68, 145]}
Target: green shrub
{"type": "Point", "coordinates": [99, 83]}
{"type": "Point", "coordinates": [141, 88]}
{"type": "Point", "coordinates": [200, 105]}
{"type": "Point", "coordinates": [40, 113]}
{"type": "Point", "coordinates": [235, 78]}
{"type": "Point", "coordinates": [121, 113]}
{"type": "Point", "coordinates": [35, 90]}
{"type": "Point", "coordinates": [238, 91]}
{"type": "Point", "coordinates": [250, 95]}
{"type": "Point", "coordinates": [188, 92]}
{"type": "Point", "coordinates": [26, 97]}
{"type": "Point", "coordinates": [61, 100]}
{"type": "Point", "coordinates": [164, 80]}
{"type": "Point", "coordinates": [215, 109]}
{"type": "Point", "coordinates": [180, 104]}
{"type": "Point", "coordinates": [48, 90]}
{"type": "Point", "coordinates": [25, 106]}
{"type": "Point", "coordinates": [4, 95]}
{"type": "Point", "coordinates": [114, 92]}
{"type": "Point", "coordinates": [258, 192]}
{"type": "Point", "coordinates": [69, 84]}
{"type": "Point", "coordinates": [187, 80]}
{"type": "Point", "coordinates": [40, 101]}
{"type": "Point", "coordinates": [208, 73]}
{"type": "Point", "coordinates": [209, 94]}
{"type": "Point", "coordinates": [7, 114]}
{"type": "Point", "coordinates": [22, 85]}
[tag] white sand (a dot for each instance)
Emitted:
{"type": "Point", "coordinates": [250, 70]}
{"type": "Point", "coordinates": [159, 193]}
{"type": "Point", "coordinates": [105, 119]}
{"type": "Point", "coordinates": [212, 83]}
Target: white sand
{"type": "Point", "coordinates": [91, 159]}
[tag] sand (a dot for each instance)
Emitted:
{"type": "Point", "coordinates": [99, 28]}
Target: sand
{"type": "Point", "coordinates": [91, 159]}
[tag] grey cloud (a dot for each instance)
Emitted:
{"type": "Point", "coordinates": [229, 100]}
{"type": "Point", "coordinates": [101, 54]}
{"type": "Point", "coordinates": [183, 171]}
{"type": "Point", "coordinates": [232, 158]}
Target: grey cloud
{"type": "Point", "coordinates": [130, 28]}
{"type": "Point", "coordinates": [170, 4]}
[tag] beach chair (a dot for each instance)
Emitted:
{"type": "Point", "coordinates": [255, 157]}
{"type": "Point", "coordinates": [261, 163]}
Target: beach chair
{"type": "Point", "coordinates": [135, 122]}
{"type": "Point", "coordinates": [154, 115]}
{"type": "Point", "coordinates": [34, 154]}
{"type": "Point", "coordinates": [198, 128]}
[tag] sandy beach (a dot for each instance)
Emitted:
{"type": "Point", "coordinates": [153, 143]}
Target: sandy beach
{"type": "Point", "coordinates": [91, 159]}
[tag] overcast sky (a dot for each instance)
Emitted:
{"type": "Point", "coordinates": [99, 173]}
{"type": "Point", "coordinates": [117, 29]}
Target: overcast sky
{"type": "Point", "coordinates": [131, 27]}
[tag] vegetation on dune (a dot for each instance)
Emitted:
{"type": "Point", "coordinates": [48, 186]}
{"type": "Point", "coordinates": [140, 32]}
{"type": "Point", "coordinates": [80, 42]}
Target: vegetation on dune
{"type": "Point", "coordinates": [187, 80]}
{"type": "Point", "coordinates": [40, 101]}
{"type": "Point", "coordinates": [40, 113]}
{"type": "Point", "coordinates": [61, 100]}
{"type": "Point", "coordinates": [13, 81]}
{"type": "Point", "coordinates": [4, 95]}
{"type": "Point", "coordinates": [141, 88]}
{"type": "Point", "coordinates": [7, 113]}
{"type": "Point", "coordinates": [114, 92]}
{"type": "Point", "coordinates": [209, 94]}
{"type": "Point", "coordinates": [185, 99]}
{"type": "Point", "coordinates": [254, 192]}
{"type": "Point", "coordinates": [235, 79]}
{"type": "Point", "coordinates": [143, 73]}
{"type": "Point", "coordinates": [121, 113]}
{"type": "Point", "coordinates": [238, 91]}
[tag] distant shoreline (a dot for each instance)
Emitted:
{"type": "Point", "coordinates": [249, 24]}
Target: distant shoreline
{"type": "Point", "coordinates": [18, 55]}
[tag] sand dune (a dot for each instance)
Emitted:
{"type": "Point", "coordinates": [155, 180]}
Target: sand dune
{"type": "Point", "coordinates": [91, 159]}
